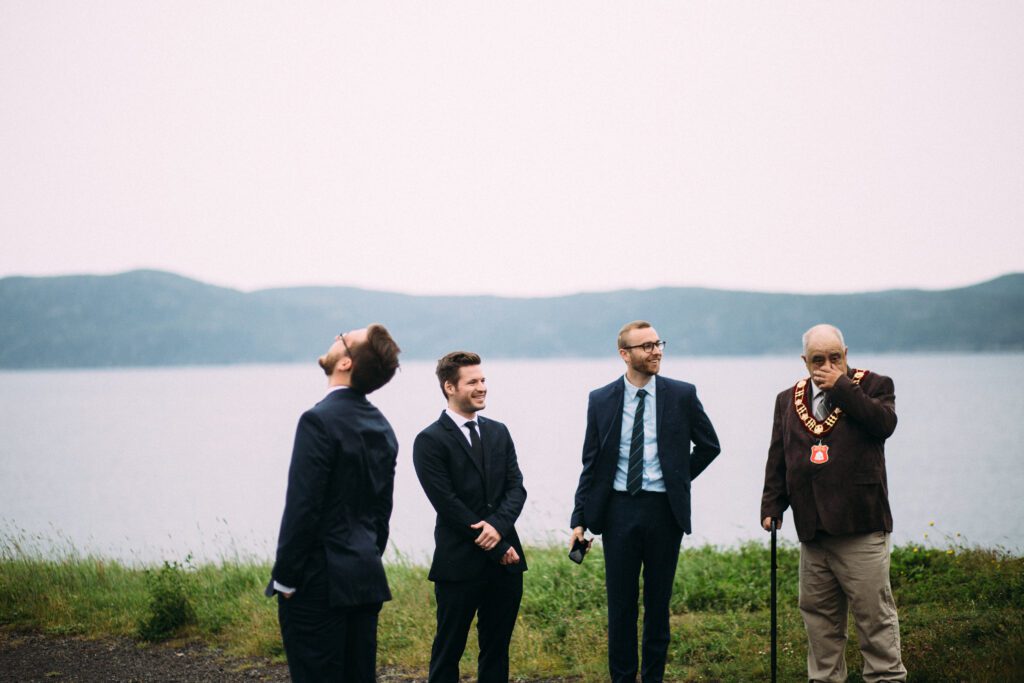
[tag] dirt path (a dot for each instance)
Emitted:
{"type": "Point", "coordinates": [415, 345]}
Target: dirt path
{"type": "Point", "coordinates": [26, 657]}
{"type": "Point", "coordinates": [29, 657]}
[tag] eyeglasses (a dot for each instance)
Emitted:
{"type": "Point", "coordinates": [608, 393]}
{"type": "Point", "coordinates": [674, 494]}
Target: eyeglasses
{"type": "Point", "coordinates": [348, 351]}
{"type": "Point", "coordinates": [648, 347]}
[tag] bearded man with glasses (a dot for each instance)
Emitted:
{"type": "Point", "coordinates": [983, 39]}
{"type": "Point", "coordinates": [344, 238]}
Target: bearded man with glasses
{"type": "Point", "coordinates": [634, 490]}
{"type": "Point", "coordinates": [328, 574]}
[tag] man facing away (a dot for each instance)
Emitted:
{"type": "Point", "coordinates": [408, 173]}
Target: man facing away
{"type": "Point", "coordinates": [467, 466]}
{"type": "Point", "coordinates": [826, 460]}
{"type": "Point", "coordinates": [635, 490]}
{"type": "Point", "coordinates": [328, 573]}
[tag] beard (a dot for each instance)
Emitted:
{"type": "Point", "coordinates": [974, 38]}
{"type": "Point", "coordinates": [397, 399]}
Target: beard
{"type": "Point", "coordinates": [645, 366]}
{"type": "Point", "coordinates": [328, 361]}
{"type": "Point", "coordinates": [467, 405]}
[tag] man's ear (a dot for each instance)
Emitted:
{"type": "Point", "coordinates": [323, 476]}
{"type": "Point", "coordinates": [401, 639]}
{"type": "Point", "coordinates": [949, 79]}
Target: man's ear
{"type": "Point", "coordinates": [449, 389]}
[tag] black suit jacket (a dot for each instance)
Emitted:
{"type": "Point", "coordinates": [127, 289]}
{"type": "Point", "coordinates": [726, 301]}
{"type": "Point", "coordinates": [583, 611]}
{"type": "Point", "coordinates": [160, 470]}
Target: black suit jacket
{"type": "Point", "coordinates": [462, 495]}
{"type": "Point", "coordinates": [681, 421]}
{"type": "Point", "coordinates": [338, 505]}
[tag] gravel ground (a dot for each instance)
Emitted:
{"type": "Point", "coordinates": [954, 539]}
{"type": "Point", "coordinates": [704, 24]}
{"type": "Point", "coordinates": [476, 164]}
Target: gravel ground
{"type": "Point", "coordinates": [34, 657]}
{"type": "Point", "coordinates": [29, 657]}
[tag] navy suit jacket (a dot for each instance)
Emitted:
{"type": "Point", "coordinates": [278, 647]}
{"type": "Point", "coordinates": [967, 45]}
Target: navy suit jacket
{"type": "Point", "coordinates": [338, 505]}
{"type": "Point", "coordinates": [681, 421]}
{"type": "Point", "coordinates": [455, 482]}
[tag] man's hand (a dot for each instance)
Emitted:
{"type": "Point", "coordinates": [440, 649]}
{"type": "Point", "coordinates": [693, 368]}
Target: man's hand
{"type": "Point", "coordinates": [510, 557]}
{"type": "Point", "coordinates": [577, 534]}
{"type": "Point", "coordinates": [488, 538]}
{"type": "Point", "coordinates": [767, 523]}
{"type": "Point", "coordinates": [826, 376]}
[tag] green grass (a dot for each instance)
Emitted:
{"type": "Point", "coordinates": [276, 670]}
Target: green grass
{"type": "Point", "coordinates": [961, 611]}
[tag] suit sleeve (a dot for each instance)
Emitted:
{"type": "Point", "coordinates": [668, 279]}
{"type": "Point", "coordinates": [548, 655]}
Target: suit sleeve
{"type": "Point", "coordinates": [308, 474]}
{"type": "Point", "coordinates": [384, 502]}
{"type": "Point", "coordinates": [428, 458]}
{"type": "Point", "coordinates": [590, 449]}
{"type": "Point", "coordinates": [704, 438]}
{"type": "Point", "coordinates": [504, 518]}
{"type": "Point", "coordinates": [774, 499]}
{"type": "Point", "coordinates": [875, 413]}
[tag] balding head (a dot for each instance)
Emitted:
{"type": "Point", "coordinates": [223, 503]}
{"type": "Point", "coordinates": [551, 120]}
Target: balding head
{"type": "Point", "coordinates": [822, 333]}
{"type": "Point", "coordinates": [824, 348]}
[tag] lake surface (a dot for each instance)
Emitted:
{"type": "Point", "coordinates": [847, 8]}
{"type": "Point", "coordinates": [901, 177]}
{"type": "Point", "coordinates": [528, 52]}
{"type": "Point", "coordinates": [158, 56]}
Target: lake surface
{"type": "Point", "coordinates": [150, 464]}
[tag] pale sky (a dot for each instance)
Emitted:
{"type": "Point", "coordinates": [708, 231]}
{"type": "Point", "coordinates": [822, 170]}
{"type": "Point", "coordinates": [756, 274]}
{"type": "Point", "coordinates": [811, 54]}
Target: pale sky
{"type": "Point", "coordinates": [515, 148]}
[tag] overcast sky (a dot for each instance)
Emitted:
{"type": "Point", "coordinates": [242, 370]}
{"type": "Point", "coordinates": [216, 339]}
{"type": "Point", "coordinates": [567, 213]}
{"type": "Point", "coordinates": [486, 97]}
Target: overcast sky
{"type": "Point", "coordinates": [515, 148]}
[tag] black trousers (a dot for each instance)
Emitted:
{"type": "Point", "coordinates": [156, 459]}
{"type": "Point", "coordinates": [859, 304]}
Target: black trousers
{"type": "Point", "coordinates": [494, 599]}
{"type": "Point", "coordinates": [324, 643]}
{"type": "Point", "coordinates": [640, 531]}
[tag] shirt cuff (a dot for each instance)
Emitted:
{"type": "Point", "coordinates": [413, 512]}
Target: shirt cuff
{"type": "Point", "coordinates": [281, 588]}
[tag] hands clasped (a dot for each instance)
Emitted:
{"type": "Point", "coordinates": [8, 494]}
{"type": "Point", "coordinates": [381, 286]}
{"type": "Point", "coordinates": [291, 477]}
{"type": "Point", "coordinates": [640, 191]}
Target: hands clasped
{"type": "Point", "coordinates": [489, 538]}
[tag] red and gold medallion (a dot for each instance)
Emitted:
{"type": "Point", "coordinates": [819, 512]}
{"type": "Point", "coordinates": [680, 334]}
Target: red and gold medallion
{"type": "Point", "coordinates": [819, 454]}
{"type": "Point", "coordinates": [807, 420]}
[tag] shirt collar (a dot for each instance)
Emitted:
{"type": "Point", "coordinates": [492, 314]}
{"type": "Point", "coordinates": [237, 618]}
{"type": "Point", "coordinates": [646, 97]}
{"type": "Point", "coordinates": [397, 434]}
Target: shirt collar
{"type": "Point", "coordinates": [458, 419]}
{"type": "Point", "coordinates": [331, 390]}
{"type": "Point", "coordinates": [631, 390]}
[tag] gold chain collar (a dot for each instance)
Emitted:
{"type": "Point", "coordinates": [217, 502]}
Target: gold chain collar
{"type": "Point", "coordinates": [807, 420]}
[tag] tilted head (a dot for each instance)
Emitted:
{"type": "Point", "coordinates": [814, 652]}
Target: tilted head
{"type": "Point", "coordinates": [364, 359]}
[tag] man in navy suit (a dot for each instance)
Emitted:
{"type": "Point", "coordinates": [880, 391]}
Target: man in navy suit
{"type": "Point", "coordinates": [328, 573]}
{"type": "Point", "coordinates": [635, 490]}
{"type": "Point", "coordinates": [467, 466]}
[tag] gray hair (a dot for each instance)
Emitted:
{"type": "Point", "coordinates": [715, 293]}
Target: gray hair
{"type": "Point", "coordinates": [824, 327]}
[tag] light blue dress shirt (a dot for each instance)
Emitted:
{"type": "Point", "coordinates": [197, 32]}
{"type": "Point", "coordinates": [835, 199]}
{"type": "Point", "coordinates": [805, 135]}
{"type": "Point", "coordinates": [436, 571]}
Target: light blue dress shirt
{"type": "Point", "coordinates": [652, 478]}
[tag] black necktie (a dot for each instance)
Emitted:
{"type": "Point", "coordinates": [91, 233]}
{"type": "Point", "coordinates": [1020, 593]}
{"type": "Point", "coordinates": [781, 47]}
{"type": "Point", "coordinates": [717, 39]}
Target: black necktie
{"type": "Point", "coordinates": [475, 444]}
{"type": "Point", "coordinates": [635, 472]}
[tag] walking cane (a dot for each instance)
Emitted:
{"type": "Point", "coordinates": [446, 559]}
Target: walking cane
{"type": "Point", "coordinates": [774, 620]}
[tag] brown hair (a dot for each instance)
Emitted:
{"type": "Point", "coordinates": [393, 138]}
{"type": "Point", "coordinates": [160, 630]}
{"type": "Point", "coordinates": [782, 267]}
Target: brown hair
{"type": "Point", "coordinates": [448, 367]}
{"type": "Point", "coordinates": [635, 325]}
{"type": "Point", "coordinates": [375, 360]}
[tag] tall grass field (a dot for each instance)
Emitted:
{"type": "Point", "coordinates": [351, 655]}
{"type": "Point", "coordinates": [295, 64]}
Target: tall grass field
{"type": "Point", "coordinates": [961, 611]}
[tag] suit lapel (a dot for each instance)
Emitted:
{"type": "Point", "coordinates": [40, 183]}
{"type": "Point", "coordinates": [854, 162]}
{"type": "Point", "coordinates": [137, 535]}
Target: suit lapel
{"type": "Point", "coordinates": [660, 399]}
{"type": "Point", "coordinates": [455, 432]}
{"type": "Point", "coordinates": [489, 439]}
{"type": "Point", "coordinates": [613, 416]}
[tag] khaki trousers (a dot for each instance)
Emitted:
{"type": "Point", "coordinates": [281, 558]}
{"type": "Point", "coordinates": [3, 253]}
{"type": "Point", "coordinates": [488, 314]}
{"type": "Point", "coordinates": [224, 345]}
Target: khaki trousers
{"type": "Point", "coordinates": [837, 572]}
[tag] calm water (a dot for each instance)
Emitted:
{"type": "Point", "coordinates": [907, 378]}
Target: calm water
{"type": "Point", "coordinates": [153, 464]}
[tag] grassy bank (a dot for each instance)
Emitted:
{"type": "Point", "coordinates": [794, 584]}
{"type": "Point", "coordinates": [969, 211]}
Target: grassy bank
{"type": "Point", "coordinates": [961, 611]}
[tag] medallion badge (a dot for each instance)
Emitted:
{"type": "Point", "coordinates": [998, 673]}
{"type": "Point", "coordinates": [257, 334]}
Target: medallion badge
{"type": "Point", "coordinates": [819, 454]}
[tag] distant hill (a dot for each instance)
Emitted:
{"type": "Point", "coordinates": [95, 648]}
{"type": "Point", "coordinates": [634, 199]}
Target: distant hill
{"type": "Point", "coordinates": [157, 318]}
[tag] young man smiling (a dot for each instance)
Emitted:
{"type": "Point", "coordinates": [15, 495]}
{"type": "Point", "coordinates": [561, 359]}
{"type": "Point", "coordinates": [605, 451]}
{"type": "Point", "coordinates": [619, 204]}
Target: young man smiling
{"type": "Point", "coordinates": [647, 439]}
{"type": "Point", "coordinates": [468, 469]}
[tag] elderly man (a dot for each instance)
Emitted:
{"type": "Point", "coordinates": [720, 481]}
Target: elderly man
{"type": "Point", "coordinates": [827, 461]}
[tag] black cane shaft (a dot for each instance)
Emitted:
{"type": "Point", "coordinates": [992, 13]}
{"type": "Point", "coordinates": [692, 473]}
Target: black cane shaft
{"type": "Point", "coordinates": [773, 607]}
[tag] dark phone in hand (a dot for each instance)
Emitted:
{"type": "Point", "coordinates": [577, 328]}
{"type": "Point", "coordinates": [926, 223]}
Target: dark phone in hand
{"type": "Point", "coordinates": [579, 550]}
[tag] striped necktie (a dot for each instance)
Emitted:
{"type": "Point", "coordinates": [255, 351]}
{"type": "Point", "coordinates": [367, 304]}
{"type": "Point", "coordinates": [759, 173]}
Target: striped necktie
{"type": "Point", "coordinates": [635, 472]}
